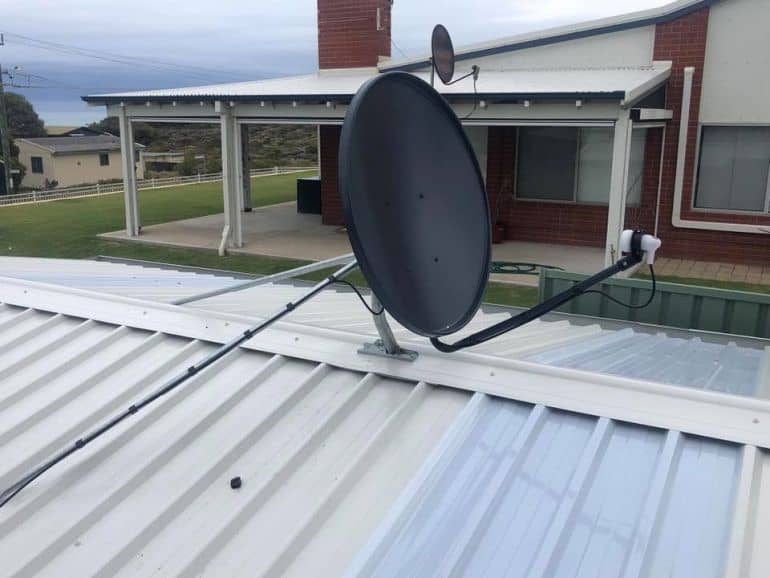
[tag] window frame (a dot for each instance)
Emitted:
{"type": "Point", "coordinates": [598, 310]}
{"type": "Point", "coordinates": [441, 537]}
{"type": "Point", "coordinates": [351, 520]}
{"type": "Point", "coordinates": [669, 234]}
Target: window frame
{"type": "Point", "coordinates": [696, 173]}
{"type": "Point", "coordinates": [574, 200]}
{"type": "Point", "coordinates": [104, 156]}
{"type": "Point", "coordinates": [32, 160]}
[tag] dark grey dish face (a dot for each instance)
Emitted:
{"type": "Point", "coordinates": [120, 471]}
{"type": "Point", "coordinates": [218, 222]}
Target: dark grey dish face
{"type": "Point", "coordinates": [443, 53]}
{"type": "Point", "coordinates": [415, 204]}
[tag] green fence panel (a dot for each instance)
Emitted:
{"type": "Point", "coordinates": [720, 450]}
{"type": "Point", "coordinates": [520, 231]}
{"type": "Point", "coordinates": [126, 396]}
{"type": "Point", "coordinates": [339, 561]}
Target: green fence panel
{"type": "Point", "coordinates": [683, 306]}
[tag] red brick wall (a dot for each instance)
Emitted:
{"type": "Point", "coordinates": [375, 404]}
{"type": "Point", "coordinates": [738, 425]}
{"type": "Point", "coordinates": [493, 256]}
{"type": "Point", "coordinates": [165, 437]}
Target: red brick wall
{"type": "Point", "coordinates": [348, 35]}
{"type": "Point", "coordinates": [347, 38]}
{"type": "Point", "coordinates": [683, 41]}
{"type": "Point", "coordinates": [331, 203]}
{"type": "Point", "coordinates": [551, 222]}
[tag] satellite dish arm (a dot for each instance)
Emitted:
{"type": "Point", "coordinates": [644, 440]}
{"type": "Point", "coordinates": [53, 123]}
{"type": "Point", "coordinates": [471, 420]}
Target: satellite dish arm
{"type": "Point", "coordinates": [634, 242]}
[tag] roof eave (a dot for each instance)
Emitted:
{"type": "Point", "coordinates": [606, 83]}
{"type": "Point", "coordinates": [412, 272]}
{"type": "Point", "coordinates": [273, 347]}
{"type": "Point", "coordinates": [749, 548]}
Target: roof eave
{"type": "Point", "coordinates": [618, 95]}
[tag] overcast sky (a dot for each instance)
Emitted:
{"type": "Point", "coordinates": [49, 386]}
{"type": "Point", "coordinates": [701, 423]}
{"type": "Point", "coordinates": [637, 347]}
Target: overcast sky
{"type": "Point", "coordinates": [231, 39]}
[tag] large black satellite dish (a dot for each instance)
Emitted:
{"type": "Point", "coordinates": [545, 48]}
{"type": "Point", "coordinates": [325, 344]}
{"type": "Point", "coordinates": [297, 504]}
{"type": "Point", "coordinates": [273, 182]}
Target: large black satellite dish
{"type": "Point", "coordinates": [443, 53]}
{"type": "Point", "coordinates": [415, 204]}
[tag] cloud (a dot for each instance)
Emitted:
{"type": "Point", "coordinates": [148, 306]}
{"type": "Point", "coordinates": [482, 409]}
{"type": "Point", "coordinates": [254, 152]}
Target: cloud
{"type": "Point", "coordinates": [240, 39]}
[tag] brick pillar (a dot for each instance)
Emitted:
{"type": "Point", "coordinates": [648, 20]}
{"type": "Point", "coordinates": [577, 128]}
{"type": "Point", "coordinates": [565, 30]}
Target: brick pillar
{"type": "Point", "coordinates": [351, 34]}
{"type": "Point", "coordinates": [331, 203]}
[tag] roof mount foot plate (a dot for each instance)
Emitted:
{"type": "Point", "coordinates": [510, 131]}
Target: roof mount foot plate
{"type": "Point", "coordinates": [378, 348]}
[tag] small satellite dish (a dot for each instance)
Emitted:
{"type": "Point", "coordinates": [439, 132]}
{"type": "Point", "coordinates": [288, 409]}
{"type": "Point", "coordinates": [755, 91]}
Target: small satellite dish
{"type": "Point", "coordinates": [443, 53]}
{"type": "Point", "coordinates": [415, 204]}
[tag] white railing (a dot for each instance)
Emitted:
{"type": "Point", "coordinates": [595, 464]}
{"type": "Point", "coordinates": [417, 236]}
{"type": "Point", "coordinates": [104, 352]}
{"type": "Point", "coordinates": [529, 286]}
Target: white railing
{"type": "Point", "coordinates": [145, 184]}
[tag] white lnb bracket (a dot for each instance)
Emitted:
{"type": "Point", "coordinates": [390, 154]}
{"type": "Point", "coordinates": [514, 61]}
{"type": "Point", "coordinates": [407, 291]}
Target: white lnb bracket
{"type": "Point", "coordinates": [647, 244]}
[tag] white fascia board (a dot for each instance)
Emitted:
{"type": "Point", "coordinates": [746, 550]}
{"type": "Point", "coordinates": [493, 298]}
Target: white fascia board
{"type": "Point", "coordinates": [558, 113]}
{"type": "Point", "coordinates": [716, 415]}
{"type": "Point", "coordinates": [655, 114]}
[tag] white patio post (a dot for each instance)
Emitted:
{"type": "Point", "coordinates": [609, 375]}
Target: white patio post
{"type": "Point", "coordinates": [129, 174]}
{"type": "Point", "coordinates": [232, 235]}
{"type": "Point", "coordinates": [621, 154]}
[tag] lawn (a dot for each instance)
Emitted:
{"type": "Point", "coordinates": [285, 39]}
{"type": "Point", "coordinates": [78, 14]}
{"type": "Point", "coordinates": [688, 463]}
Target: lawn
{"type": "Point", "coordinates": [69, 229]}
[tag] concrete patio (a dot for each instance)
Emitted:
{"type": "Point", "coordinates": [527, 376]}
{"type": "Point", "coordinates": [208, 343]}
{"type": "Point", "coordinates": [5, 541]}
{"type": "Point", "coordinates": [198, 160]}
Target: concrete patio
{"type": "Point", "coordinates": [279, 231]}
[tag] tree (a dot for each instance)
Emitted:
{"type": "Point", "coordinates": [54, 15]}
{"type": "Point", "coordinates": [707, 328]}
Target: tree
{"type": "Point", "coordinates": [23, 121]}
{"type": "Point", "coordinates": [214, 164]}
{"type": "Point", "coordinates": [143, 132]}
{"type": "Point", "coordinates": [189, 165]}
{"type": "Point", "coordinates": [16, 164]}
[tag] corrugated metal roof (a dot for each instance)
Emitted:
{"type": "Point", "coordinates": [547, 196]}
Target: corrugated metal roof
{"type": "Point", "coordinates": [341, 309]}
{"type": "Point", "coordinates": [616, 82]}
{"type": "Point", "coordinates": [722, 366]}
{"type": "Point", "coordinates": [130, 280]}
{"type": "Point", "coordinates": [524, 491]}
{"type": "Point", "coordinates": [698, 360]}
{"type": "Point", "coordinates": [75, 144]}
{"type": "Point", "coordinates": [355, 464]}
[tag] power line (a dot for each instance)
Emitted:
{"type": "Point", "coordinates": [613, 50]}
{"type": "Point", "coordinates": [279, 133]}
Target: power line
{"type": "Point", "coordinates": [397, 47]}
{"type": "Point", "coordinates": [193, 71]}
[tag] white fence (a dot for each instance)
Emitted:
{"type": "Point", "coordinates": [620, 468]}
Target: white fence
{"type": "Point", "coordinates": [111, 188]}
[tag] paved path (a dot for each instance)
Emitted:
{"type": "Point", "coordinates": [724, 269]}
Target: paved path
{"type": "Point", "coordinates": [756, 274]}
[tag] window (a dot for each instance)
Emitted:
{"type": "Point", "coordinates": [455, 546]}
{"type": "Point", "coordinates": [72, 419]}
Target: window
{"type": "Point", "coordinates": [734, 168]}
{"type": "Point", "coordinates": [574, 164]}
{"type": "Point", "coordinates": [37, 165]}
{"type": "Point", "coordinates": [546, 167]}
{"type": "Point", "coordinates": [104, 159]}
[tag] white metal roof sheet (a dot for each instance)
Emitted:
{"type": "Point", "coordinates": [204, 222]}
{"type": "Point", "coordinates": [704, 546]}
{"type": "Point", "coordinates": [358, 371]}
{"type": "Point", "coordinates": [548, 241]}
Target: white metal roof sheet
{"type": "Point", "coordinates": [722, 366]}
{"type": "Point", "coordinates": [527, 492]}
{"type": "Point", "coordinates": [328, 85]}
{"type": "Point", "coordinates": [131, 280]}
{"type": "Point", "coordinates": [355, 464]}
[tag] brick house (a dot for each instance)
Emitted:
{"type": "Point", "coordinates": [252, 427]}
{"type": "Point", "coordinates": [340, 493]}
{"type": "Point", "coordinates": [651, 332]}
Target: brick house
{"type": "Point", "coordinates": [656, 119]}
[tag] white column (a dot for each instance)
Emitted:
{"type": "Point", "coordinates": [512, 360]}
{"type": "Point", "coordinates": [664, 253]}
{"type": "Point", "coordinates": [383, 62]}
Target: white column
{"type": "Point", "coordinates": [129, 174]}
{"type": "Point", "coordinates": [233, 234]}
{"type": "Point", "coordinates": [621, 154]}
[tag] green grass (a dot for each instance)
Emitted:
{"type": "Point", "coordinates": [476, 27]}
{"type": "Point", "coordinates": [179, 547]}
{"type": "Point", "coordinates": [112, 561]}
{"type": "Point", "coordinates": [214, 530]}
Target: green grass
{"type": "Point", "coordinates": [731, 285]}
{"type": "Point", "coordinates": [69, 228]}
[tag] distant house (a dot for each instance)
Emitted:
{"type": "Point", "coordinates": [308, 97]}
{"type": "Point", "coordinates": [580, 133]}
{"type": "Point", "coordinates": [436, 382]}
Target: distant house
{"type": "Point", "coordinates": [75, 159]}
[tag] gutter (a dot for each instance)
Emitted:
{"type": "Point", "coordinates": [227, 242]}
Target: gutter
{"type": "Point", "coordinates": [676, 215]}
{"type": "Point", "coordinates": [223, 243]}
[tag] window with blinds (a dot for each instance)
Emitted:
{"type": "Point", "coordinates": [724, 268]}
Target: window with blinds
{"type": "Point", "coordinates": [573, 164]}
{"type": "Point", "coordinates": [734, 168]}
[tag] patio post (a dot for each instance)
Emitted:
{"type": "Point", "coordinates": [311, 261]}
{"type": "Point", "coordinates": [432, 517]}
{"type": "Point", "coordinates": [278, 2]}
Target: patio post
{"type": "Point", "coordinates": [129, 175]}
{"type": "Point", "coordinates": [232, 236]}
{"type": "Point", "coordinates": [621, 154]}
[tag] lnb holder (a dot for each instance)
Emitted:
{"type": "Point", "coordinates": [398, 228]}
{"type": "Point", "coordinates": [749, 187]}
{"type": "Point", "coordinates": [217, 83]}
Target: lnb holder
{"type": "Point", "coordinates": [633, 244]}
{"type": "Point", "coordinates": [638, 243]}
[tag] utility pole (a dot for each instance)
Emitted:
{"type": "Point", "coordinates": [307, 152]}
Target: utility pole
{"type": "Point", "coordinates": [5, 137]}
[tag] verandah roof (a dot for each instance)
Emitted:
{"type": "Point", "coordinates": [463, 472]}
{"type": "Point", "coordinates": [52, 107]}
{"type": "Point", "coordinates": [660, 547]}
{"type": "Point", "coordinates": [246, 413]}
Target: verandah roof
{"type": "Point", "coordinates": [620, 84]}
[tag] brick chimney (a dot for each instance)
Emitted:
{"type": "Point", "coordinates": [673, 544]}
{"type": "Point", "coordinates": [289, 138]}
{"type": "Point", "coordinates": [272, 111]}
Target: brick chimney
{"type": "Point", "coordinates": [353, 33]}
